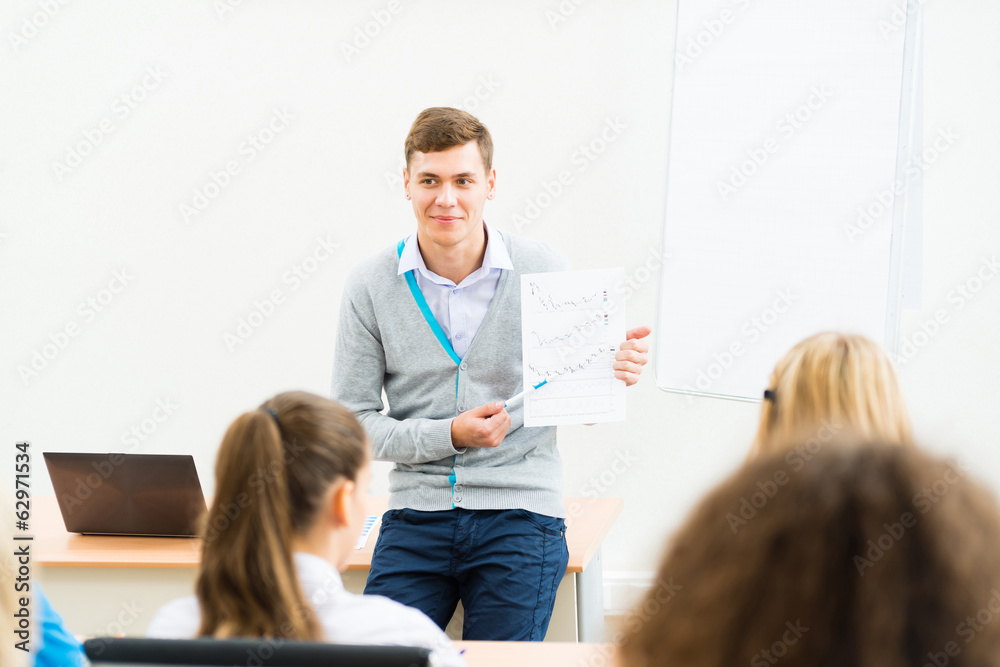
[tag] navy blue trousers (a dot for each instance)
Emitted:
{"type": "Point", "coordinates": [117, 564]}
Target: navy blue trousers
{"type": "Point", "coordinates": [504, 565]}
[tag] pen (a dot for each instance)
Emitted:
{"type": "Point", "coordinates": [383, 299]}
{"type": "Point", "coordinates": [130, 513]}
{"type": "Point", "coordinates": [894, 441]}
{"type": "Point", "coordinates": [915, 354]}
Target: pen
{"type": "Point", "coordinates": [517, 396]}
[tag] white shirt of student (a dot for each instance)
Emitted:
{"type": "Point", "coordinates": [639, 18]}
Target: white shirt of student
{"type": "Point", "coordinates": [346, 618]}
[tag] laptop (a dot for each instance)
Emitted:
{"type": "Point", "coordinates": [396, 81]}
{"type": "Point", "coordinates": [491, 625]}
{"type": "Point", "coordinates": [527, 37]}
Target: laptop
{"type": "Point", "coordinates": [127, 494]}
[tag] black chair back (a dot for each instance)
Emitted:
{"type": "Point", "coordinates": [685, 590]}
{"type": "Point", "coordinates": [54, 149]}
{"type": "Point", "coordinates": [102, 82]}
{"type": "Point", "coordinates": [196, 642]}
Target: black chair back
{"type": "Point", "coordinates": [249, 652]}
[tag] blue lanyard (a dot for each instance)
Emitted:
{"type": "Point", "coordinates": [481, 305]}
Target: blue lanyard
{"type": "Point", "coordinates": [418, 296]}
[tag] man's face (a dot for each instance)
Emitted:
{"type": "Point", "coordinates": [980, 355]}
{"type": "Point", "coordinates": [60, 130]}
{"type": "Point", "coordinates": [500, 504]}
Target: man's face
{"type": "Point", "coordinates": [449, 190]}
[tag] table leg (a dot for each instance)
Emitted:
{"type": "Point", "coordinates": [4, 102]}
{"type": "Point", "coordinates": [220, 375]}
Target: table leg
{"type": "Point", "coordinates": [590, 600]}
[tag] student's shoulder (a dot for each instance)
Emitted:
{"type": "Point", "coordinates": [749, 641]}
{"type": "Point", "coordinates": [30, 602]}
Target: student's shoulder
{"type": "Point", "coordinates": [532, 256]}
{"type": "Point", "coordinates": [372, 272]}
{"type": "Point", "coordinates": [380, 621]}
{"type": "Point", "coordinates": [387, 612]}
{"type": "Point", "coordinates": [178, 619]}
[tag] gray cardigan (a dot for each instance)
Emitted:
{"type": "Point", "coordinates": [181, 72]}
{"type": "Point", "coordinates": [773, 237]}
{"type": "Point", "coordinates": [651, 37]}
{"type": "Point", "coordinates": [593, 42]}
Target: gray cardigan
{"type": "Point", "coordinates": [384, 342]}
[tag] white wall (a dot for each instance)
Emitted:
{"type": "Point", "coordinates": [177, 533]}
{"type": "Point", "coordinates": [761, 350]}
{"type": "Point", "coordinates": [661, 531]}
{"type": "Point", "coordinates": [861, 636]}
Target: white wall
{"type": "Point", "coordinates": [544, 90]}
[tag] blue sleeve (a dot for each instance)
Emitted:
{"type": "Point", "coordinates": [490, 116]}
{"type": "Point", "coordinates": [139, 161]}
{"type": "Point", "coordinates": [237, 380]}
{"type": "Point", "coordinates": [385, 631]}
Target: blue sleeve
{"type": "Point", "coordinates": [57, 647]}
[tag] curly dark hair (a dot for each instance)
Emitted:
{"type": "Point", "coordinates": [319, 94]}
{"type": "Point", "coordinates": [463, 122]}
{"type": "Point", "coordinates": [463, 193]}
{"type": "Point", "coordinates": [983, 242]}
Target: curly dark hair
{"type": "Point", "coordinates": [862, 555]}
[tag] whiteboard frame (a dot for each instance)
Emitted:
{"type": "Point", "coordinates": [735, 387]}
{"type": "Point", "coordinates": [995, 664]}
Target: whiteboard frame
{"type": "Point", "coordinates": [905, 145]}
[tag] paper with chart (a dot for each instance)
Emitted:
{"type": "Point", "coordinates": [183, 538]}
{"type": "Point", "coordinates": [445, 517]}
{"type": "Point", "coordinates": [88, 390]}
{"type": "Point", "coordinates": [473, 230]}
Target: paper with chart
{"type": "Point", "coordinates": [366, 530]}
{"type": "Point", "coordinates": [571, 325]}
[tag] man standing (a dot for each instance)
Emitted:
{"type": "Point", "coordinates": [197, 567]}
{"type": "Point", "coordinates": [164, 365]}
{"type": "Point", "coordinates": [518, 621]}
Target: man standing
{"type": "Point", "coordinates": [476, 510]}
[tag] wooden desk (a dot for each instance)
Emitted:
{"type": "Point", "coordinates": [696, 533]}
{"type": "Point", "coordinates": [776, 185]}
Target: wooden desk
{"type": "Point", "coordinates": [113, 585]}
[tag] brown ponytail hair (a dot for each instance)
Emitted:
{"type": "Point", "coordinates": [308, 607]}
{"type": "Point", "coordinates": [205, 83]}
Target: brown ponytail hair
{"type": "Point", "coordinates": [273, 468]}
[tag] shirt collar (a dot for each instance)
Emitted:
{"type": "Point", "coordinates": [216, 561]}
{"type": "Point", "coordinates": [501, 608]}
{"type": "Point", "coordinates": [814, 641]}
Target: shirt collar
{"type": "Point", "coordinates": [496, 256]}
{"type": "Point", "coordinates": [317, 574]}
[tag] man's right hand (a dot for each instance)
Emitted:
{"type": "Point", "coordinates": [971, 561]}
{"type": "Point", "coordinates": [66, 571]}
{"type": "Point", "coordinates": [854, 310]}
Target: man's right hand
{"type": "Point", "coordinates": [484, 426]}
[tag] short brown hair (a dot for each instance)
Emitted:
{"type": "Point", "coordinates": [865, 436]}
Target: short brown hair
{"type": "Point", "coordinates": [439, 128]}
{"type": "Point", "coordinates": [866, 555]}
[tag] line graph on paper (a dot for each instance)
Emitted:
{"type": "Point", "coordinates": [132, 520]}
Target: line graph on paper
{"type": "Point", "coordinates": [550, 303]}
{"type": "Point", "coordinates": [571, 328]}
{"type": "Point", "coordinates": [586, 363]}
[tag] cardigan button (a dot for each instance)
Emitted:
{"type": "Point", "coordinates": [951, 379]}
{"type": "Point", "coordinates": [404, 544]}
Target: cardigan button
{"type": "Point", "coordinates": [464, 365]}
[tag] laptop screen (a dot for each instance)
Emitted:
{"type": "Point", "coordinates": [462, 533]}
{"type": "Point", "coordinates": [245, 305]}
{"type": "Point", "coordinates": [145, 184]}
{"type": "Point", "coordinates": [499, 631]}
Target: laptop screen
{"type": "Point", "coordinates": [127, 494]}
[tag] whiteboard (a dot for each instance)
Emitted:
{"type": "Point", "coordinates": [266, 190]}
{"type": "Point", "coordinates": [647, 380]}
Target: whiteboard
{"type": "Point", "coordinates": [783, 214]}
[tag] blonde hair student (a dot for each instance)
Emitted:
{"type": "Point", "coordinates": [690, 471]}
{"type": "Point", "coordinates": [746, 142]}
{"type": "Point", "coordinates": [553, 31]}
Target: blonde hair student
{"type": "Point", "coordinates": [870, 556]}
{"type": "Point", "coordinates": [845, 380]}
{"type": "Point", "coordinates": [291, 481]}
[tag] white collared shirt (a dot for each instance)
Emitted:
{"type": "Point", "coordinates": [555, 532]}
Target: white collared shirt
{"type": "Point", "coordinates": [459, 309]}
{"type": "Point", "coordinates": [346, 618]}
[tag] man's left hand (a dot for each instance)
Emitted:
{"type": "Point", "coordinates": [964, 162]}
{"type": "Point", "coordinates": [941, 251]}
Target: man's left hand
{"type": "Point", "coordinates": [632, 355]}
